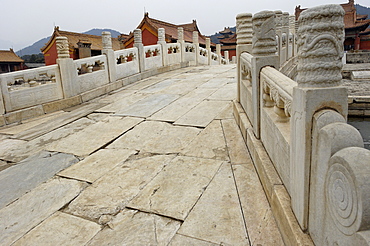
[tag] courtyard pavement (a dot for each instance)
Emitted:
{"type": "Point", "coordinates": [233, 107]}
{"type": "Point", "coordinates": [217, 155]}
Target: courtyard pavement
{"type": "Point", "coordinates": [158, 162]}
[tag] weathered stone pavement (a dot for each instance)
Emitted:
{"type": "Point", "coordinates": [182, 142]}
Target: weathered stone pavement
{"type": "Point", "coordinates": [158, 162]}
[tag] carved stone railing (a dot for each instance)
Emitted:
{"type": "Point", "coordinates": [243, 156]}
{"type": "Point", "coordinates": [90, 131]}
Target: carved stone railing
{"type": "Point", "coordinates": [301, 127]}
{"type": "Point", "coordinates": [153, 56]}
{"type": "Point", "coordinates": [173, 53]}
{"type": "Point", "coordinates": [277, 91]}
{"type": "Point", "coordinates": [92, 73]}
{"type": "Point", "coordinates": [27, 88]}
{"type": "Point", "coordinates": [127, 62]}
{"type": "Point", "coordinates": [203, 56]}
{"type": "Point", "coordinates": [37, 91]}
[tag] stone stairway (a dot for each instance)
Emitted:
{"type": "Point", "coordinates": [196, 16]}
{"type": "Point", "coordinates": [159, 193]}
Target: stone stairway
{"type": "Point", "coordinates": [158, 162]}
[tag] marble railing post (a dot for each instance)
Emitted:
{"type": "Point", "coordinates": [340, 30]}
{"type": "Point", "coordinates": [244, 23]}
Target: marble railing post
{"type": "Point", "coordinates": [162, 42]}
{"type": "Point", "coordinates": [196, 44]}
{"type": "Point", "coordinates": [218, 52]}
{"type": "Point", "coordinates": [181, 42]}
{"type": "Point", "coordinates": [279, 34]}
{"type": "Point", "coordinates": [109, 53]}
{"type": "Point", "coordinates": [208, 48]}
{"type": "Point", "coordinates": [226, 54]}
{"type": "Point", "coordinates": [285, 37]}
{"type": "Point", "coordinates": [138, 43]}
{"type": "Point", "coordinates": [244, 42]}
{"type": "Point", "coordinates": [292, 36]}
{"type": "Point", "coordinates": [320, 49]}
{"type": "Point", "coordinates": [68, 72]}
{"type": "Point", "coordinates": [264, 54]}
{"type": "Point", "coordinates": [2, 107]}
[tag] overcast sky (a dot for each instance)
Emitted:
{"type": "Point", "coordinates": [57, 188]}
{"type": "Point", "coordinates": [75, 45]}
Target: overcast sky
{"type": "Point", "coordinates": [23, 22]}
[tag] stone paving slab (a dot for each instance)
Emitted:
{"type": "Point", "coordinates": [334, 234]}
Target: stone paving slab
{"type": "Point", "coordinates": [131, 227]}
{"type": "Point", "coordinates": [180, 240]}
{"type": "Point", "coordinates": [160, 86]}
{"type": "Point", "coordinates": [226, 113]}
{"type": "Point", "coordinates": [7, 145]}
{"type": "Point", "coordinates": [156, 137]}
{"type": "Point", "coordinates": [26, 149]}
{"type": "Point", "coordinates": [110, 193]}
{"type": "Point", "coordinates": [60, 229]}
{"type": "Point", "coordinates": [94, 136]}
{"type": "Point", "coordinates": [27, 124]}
{"type": "Point", "coordinates": [217, 216]}
{"type": "Point", "coordinates": [202, 114]}
{"type": "Point", "coordinates": [122, 103]}
{"type": "Point", "coordinates": [23, 177]}
{"type": "Point", "coordinates": [226, 92]}
{"type": "Point", "coordinates": [261, 225]}
{"type": "Point", "coordinates": [148, 106]}
{"type": "Point", "coordinates": [215, 82]}
{"type": "Point", "coordinates": [181, 106]}
{"type": "Point", "coordinates": [39, 203]}
{"type": "Point", "coordinates": [210, 143]}
{"type": "Point", "coordinates": [58, 122]}
{"type": "Point", "coordinates": [236, 146]}
{"type": "Point", "coordinates": [177, 188]}
{"type": "Point", "coordinates": [97, 164]}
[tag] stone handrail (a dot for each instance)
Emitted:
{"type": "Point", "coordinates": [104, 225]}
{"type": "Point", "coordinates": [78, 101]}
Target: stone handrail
{"type": "Point", "coordinates": [127, 62]}
{"type": "Point", "coordinates": [279, 89]}
{"type": "Point", "coordinates": [30, 93]}
{"type": "Point", "coordinates": [318, 157]}
{"type": "Point", "coordinates": [41, 84]}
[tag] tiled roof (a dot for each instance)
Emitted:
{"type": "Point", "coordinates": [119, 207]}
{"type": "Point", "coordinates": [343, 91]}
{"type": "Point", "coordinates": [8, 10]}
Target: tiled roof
{"type": "Point", "coordinates": [230, 40]}
{"type": "Point", "coordinates": [74, 38]}
{"type": "Point", "coordinates": [351, 19]}
{"type": "Point", "coordinates": [172, 29]}
{"type": "Point", "coordinates": [9, 56]}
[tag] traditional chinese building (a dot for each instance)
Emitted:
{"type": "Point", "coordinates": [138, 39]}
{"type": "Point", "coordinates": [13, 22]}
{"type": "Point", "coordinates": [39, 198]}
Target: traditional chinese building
{"type": "Point", "coordinates": [9, 61]}
{"type": "Point", "coordinates": [149, 28]}
{"type": "Point", "coordinates": [356, 38]}
{"type": "Point", "coordinates": [229, 44]}
{"type": "Point", "coordinates": [80, 45]}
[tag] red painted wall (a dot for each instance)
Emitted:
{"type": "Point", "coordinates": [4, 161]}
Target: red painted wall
{"type": "Point", "coordinates": [52, 55]}
{"type": "Point", "coordinates": [365, 45]}
{"type": "Point", "coordinates": [231, 54]}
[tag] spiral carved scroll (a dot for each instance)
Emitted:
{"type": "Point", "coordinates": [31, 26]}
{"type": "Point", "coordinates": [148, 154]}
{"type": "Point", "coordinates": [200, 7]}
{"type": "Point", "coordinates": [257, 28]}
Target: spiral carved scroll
{"type": "Point", "coordinates": [342, 198]}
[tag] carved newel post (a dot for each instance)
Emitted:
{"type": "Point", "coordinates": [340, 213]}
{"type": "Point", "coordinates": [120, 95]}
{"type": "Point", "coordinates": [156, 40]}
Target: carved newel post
{"type": "Point", "coordinates": [196, 44]}
{"type": "Point", "coordinates": [208, 48]}
{"type": "Point", "coordinates": [138, 43]}
{"type": "Point", "coordinates": [162, 42]}
{"type": "Point", "coordinates": [320, 49]}
{"type": "Point", "coordinates": [181, 42]}
{"type": "Point", "coordinates": [218, 52]}
{"type": "Point", "coordinates": [109, 53]}
{"type": "Point", "coordinates": [68, 72]}
{"type": "Point", "coordinates": [244, 42]}
{"type": "Point", "coordinates": [264, 54]}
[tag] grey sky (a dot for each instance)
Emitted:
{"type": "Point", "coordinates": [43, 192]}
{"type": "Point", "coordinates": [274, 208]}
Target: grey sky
{"type": "Point", "coordinates": [23, 22]}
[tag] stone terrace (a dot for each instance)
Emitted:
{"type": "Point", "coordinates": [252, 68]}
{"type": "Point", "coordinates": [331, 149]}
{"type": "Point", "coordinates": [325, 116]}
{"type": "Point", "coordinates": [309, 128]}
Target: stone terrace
{"type": "Point", "coordinates": [158, 162]}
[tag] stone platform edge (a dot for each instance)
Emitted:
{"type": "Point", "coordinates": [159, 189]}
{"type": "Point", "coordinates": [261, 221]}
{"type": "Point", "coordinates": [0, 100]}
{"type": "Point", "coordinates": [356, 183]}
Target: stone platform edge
{"type": "Point", "coordinates": [275, 190]}
{"type": "Point", "coordinates": [49, 107]}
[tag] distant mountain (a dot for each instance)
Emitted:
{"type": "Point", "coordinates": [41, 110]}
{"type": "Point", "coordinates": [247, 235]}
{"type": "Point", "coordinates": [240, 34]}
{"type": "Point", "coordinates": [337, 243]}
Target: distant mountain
{"type": "Point", "coordinates": [35, 48]}
{"type": "Point", "coordinates": [361, 10]}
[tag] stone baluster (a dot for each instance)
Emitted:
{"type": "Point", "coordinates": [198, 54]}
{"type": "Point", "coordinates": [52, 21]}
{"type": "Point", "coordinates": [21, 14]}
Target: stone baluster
{"type": "Point", "coordinates": [109, 52]}
{"type": "Point", "coordinates": [279, 34]}
{"type": "Point", "coordinates": [292, 35]}
{"type": "Point", "coordinates": [196, 44]}
{"type": "Point", "coordinates": [244, 42]}
{"type": "Point", "coordinates": [218, 52]}
{"type": "Point", "coordinates": [226, 54]}
{"type": "Point", "coordinates": [68, 72]}
{"type": "Point", "coordinates": [162, 42]}
{"type": "Point", "coordinates": [181, 42]}
{"type": "Point", "coordinates": [138, 43]}
{"type": "Point", "coordinates": [320, 49]}
{"type": "Point", "coordinates": [285, 35]}
{"type": "Point", "coordinates": [264, 54]}
{"type": "Point", "coordinates": [208, 48]}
